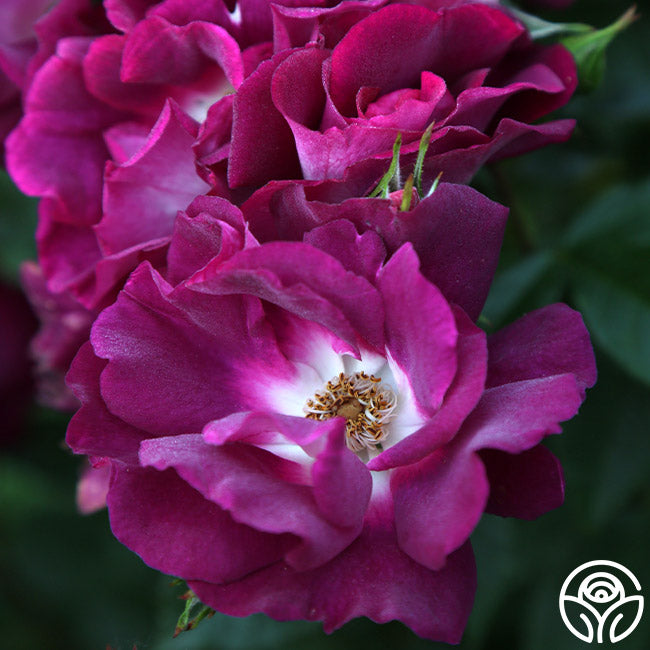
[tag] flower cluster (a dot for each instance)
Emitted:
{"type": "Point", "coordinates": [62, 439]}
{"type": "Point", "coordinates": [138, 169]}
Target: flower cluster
{"type": "Point", "coordinates": [256, 240]}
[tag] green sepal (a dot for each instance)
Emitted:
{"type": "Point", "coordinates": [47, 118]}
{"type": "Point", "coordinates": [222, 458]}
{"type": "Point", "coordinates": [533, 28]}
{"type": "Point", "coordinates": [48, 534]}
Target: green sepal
{"type": "Point", "coordinates": [383, 187]}
{"type": "Point", "coordinates": [538, 28]}
{"type": "Point", "coordinates": [187, 621]}
{"type": "Point", "coordinates": [425, 141]}
{"type": "Point", "coordinates": [407, 194]}
{"type": "Point", "coordinates": [434, 185]}
{"type": "Point", "coordinates": [588, 49]}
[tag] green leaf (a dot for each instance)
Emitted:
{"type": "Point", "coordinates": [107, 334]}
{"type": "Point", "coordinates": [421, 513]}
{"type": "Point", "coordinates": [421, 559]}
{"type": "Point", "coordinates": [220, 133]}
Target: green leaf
{"type": "Point", "coordinates": [620, 215]}
{"type": "Point", "coordinates": [24, 491]}
{"type": "Point", "coordinates": [607, 252]}
{"type": "Point", "coordinates": [512, 284]}
{"type": "Point", "coordinates": [588, 49]}
{"type": "Point", "coordinates": [618, 319]}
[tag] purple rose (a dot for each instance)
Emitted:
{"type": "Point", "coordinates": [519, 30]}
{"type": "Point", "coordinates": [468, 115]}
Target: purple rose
{"type": "Point", "coordinates": [308, 430]}
{"type": "Point", "coordinates": [111, 133]}
{"type": "Point", "coordinates": [470, 70]}
{"type": "Point", "coordinates": [17, 49]}
{"type": "Point", "coordinates": [109, 124]}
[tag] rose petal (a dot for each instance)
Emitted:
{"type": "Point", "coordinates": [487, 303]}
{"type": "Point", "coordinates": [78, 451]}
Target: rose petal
{"type": "Point", "coordinates": [549, 341]}
{"type": "Point", "coordinates": [203, 357]}
{"type": "Point", "coordinates": [420, 328]}
{"type": "Point", "coordinates": [260, 150]}
{"type": "Point", "coordinates": [157, 182]}
{"type": "Point", "coordinates": [176, 531]}
{"type": "Point", "coordinates": [268, 492]}
{"type": "Point", "coordinates": [304, 281]}
{"type": "Point", "coordinates": [516, 416]}
{"type": "Point", "coordinates": [462, 396]}
{"type": "Point", "coordinates": [373, 577]}
{"type": "Point", "coordinates": [438, 502]}
{"type": "Point", "coordinates": [525, 485]}
{"type": "Point", "coordinates": [94, 430]}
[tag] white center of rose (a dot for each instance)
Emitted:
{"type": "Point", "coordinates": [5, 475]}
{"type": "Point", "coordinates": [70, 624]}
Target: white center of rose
{"type": "Point", "coordinates": [363, 400]}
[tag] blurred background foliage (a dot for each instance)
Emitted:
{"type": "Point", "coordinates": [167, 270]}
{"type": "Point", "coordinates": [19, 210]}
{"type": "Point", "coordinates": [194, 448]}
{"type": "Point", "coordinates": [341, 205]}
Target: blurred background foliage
{"type": "Point", "coordinates": [579, 232]}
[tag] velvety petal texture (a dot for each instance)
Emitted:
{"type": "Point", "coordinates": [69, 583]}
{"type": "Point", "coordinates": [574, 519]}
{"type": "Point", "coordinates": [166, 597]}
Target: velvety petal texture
{"type": "Point", "coordinates": [230, 404]}
{"type": "Point", "coordinates": [113, 94]}
{"type": "Point", "coordinates": [133, 108]}
{"type": "Point", "coordinates": [256, 240]}
{"type": "Point", "coordinates": [397, 70]}
{"type": "Point", "coordinates": [455, 231]}
{"type": "Point", "coordinates": [373, 577]}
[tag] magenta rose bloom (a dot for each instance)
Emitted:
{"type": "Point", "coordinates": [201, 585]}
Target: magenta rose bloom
{"type": "Point", "coordinates": [470, 70]}
{"type": "Point", "coordinates": [110, 117]}
{"type": "Point", "coordinates": [308, 430]}
{"type": "Point", "coordinates": [117, 94]}
{"type": "Point", "coordinates": [18, 45]}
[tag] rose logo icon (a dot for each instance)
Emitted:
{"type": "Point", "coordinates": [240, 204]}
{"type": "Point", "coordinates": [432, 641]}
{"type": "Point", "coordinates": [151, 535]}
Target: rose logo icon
{"type": "Point", "coordinates": [601, 600]}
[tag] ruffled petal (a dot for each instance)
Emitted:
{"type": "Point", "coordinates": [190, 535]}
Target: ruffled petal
{"type": "Point", "coordinates": [260, 150]}
{"type": "Point", "coordinates": [273, 494]}
{"type": "Point", "coordinates": [174, 529]}
{"type": "Point", "coordinates": [203, 357]}
{"type": "Point", "coordinates": [304, 281]}
{"type": "Point", "coordinates": [524, 485]}
{"type": "Point", "coordinates": [438, 502]}
{"type": "Point", "coordinates": [549, 341]}
{"type": "Point", "coordinates": [94, 430]}
{"type": "Point", "coordinates": [420, 328]}
{"type": "Point", "coordinates": [464, 393]}
{"type": "Point", "coordinates": [373, 577]}
{"type": "Point", "coordinates": [143, 195]}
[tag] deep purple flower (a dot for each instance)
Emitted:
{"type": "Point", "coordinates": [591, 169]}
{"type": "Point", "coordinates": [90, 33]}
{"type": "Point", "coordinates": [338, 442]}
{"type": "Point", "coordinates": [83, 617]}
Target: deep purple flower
{"type": "Point", "coordinates": [308, 430]}
{"type": "Point", "coordinates": [470, 70]}
{"type": "Point", "coordinates": [17, 49]}
{"type": "Point", "coordinates": [106, 141]}
{"type": "Point", "coordinates": [109, 123]}
{"type": "Point", "coordinates": [115, 96]}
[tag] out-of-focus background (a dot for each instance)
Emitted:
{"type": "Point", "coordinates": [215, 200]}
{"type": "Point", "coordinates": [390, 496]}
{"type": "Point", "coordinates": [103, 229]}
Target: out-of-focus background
{"type": "Point", "coordinates": [579, 232]}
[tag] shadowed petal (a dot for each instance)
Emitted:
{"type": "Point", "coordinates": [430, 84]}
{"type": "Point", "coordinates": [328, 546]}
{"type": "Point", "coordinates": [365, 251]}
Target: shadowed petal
{"type": "Point", "coordinates": [372, 577]}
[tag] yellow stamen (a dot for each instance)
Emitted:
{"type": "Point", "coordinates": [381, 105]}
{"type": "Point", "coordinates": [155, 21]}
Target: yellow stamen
{"type": "Point", "coordinates": [362, 400]}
